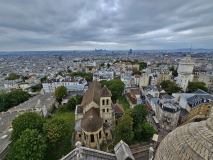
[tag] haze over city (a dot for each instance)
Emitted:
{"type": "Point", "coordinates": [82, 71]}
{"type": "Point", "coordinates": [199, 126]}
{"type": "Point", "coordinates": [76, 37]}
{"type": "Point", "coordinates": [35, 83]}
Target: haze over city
{"type": "Point", "coordinates": [115, 25]}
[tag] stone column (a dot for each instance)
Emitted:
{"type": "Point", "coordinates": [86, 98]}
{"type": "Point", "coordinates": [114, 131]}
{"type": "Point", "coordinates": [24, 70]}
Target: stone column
{"type": "Point", "coordinates": [96, 141]}
{"type": "Point", "coordinates": [88, 140]}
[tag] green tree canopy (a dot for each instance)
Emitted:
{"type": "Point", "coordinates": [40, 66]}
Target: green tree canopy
{"type": "Point", "coordinates": [71, 104]}
{"type": "Point", "coordinates": [136, 72]}
{"type": "Point", "coordinates": [56, 130]}
{"type": "Point", "coordinates": [79, 98]}
{"type": "Point", "coordinates": [27, 120]}
{"type": "Point", "coordinates": [125, 129]}
{"type": "Point", "coordinates": [36, 88]}
{"type": "Point", "coordinates": [165, 84]}
{"type": "Point", "coordinates": [87, 76]}
{"type": "Point", "coordinates": [193, 86]}
{"type": "Point", "coordinates": [43, 79]}
{"type": "Point", "coordinates": [174, 71]}
{"type": "Point", "coordinates": [170, 87]}
{"type": "Point", "coordinates": [108, 65]}
{"type": "Point", "coordinates": [116, 86]}
{"type": "Point", "coordinates": [173, 88]}
{"type": "Point", "coordinates": [60, 92]}
{"type": "Point", "coordinates": [30, 146]}
{"type": "Point", "coordinates": [144, 132]}
{"type": "Point", "coordinates": [13, 76]}
{"type": "Point", "coordinates": [139, 114]}
{"type": "Point", "coordinates": [13, 98]}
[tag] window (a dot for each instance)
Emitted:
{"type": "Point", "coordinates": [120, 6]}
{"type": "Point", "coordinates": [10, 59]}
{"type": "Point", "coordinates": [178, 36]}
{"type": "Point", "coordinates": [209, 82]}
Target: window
{"type": "Point", "coordinates": [106, 121]}
{"type": "Point", "coordinates": [100, 134]}
{"type": "Point", "coordinates": [103, 102]}
{"type": "Point", "coordinates": [106, 134]}
{"type": "Point", "coordinates": [92, 138]}
{"type": "Point", "coordinates": [79, 135]}
{"type": "Point", "coordinates": [103, 110]}
{"type": "Point", "coordinates": [107, 102]}
{"type": "Point", "coordinates": [107, 110]}
{"type": "Point", "coordinates": [208, 106]}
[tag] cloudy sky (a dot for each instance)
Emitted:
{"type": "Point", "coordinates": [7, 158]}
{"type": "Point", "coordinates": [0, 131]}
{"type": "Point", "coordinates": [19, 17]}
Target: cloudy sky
{"type": "Point", "coordinates": [106, 24]}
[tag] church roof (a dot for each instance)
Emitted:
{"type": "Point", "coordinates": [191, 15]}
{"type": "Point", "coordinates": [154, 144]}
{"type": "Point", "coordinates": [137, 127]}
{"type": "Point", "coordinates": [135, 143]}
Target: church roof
{"type": "Point", "coordinates": [191, 141]}
{"type": "Point", "coordinates": [105, 92]}
{"type": "Point", "coordinates": [92, 121]}
{"type": "Point", "coordinates": [92, 94]}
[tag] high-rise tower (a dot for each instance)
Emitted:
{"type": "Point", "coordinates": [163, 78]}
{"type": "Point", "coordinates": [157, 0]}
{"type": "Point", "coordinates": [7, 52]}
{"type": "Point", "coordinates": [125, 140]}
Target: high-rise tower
{"type": "Point", "coordinates": [185, 69]}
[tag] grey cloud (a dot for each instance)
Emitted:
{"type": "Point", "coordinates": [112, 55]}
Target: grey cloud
{"type": "Point", "coordinates": [116, 24]}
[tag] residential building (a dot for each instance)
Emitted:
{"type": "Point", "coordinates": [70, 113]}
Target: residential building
{"type": "Point", "coordinates": [194, 106]}
{"type": "Point", "coordinates": [167, 112]}
{"type": "Point", "coordinates": [71, 83]}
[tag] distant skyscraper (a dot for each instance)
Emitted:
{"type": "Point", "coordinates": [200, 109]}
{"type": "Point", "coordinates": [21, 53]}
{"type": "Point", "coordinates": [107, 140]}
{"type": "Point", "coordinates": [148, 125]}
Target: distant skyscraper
{"type": "Point", "coordinates": [130, 51]}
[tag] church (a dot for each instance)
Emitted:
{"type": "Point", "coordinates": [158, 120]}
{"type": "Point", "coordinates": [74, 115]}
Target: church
{"type": "Point", "coordinates": [94, 117]}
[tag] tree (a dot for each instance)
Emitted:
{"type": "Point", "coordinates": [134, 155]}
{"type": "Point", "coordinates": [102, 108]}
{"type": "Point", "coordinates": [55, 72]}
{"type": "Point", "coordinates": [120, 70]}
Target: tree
{"type": "Point", "coordinates": [60, 92]}
{"type": "Point", "coordinates": [116, 86]}
{"type": "Point", "coordinates": [139, 114]}
{"type": "Point", "coordinates": [173, 88]}
{"type": "Point", "coordinates": [79, 98]}
{"type": "Point", "coordinates": [136, 72]}
{"type": "Point", "coordinates": [87, 76]}
{"type": "Point", "coordinates": [102, 64]}
{"type": "Point", "coordinates": [36, 88]}
{"type": "Point", "coordinates": [164, 84]}
{"type": "Point", "coordinates": [56, 130]}
{"type": "Point", "coordinates": [13, 76]}
{"type": "Point", "coordinates": [174, 71]}
{"type": "Point", "coordinates": [30, 146]}
{"type": "Point", "coordinates": [43, 79]}
{"type": "Point", "coordinates": [193, 86]}
{"type": "Point", "coordinates": [170, 87]}
{"type": "Point", "coordinates": [144, 132]}
{"type": "Point", "coordinates": [108, 65]}
{"type": "Point", "coordinates": [71, 104]}
{"type": "Point", "coordinates": [28, 120]}
{"type": "Point", "coordinates": [13, 98]}
{"type": "Point", "coordinates": [25, 78]}
{"type": "Point", "coordinates": [125, 129]}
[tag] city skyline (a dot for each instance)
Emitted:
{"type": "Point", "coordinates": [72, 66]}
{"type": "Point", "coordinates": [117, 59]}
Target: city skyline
{"type": "Point", "coordinates": [112, 25]}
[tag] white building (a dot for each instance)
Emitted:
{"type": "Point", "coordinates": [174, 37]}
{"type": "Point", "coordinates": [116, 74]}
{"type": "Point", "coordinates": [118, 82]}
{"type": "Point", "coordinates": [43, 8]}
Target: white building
{"type": "Point", "coordinates": [72, 84]}
{"type": "Point", "coordinates": [185, 69]}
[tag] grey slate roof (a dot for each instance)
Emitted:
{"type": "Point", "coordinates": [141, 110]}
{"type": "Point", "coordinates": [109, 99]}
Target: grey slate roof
{"type": "Point", "coordinates": [183, 112]}
{"type": "Point", "coordinates": [122, 152]}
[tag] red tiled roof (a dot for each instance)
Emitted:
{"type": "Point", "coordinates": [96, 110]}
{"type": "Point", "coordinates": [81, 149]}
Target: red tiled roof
{"type": "Point", "coordinates": [137, 76]}
{"type": "Point", "coordinates": [118, 108]}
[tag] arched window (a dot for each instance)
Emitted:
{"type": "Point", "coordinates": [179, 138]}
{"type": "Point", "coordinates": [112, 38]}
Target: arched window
{"type": "Point", "coordinates": [100, 134]}
{"type": "Point", "coordinates": [103, 102]}
{"type": "Point", "coordinates": [92, 138]}
{"type": "Point", "coordinates": [107, 102]}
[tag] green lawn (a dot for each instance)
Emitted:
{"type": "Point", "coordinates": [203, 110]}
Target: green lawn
{"type": "Point", "coordinates": [55, 153]}
{"type": "Point", "coordinates": [124, 102]}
